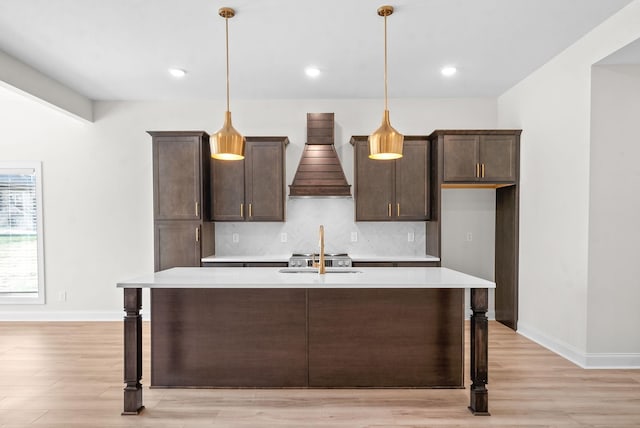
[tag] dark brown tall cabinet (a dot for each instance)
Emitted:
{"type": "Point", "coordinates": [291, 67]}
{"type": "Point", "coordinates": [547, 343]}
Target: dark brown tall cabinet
{"type": "Point", "coordinates": [252, 189]}
{"type": "Point", "coordinates": [183, 233]}
{"type": "Point", "coordinates": [392, 190]}
{"type": "Point", "coordinates": [482, 159]}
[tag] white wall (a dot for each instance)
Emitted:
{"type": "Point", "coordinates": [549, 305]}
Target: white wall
{"type": "Point", "coordinates": [96, 219]}
{"type": "Point", "coordinates": [552, 106]}
{"type": "Point", "coordinates": [464, 212]}
{"type": "Point", "coordinates": [97, 180]}
{"type": "Point", "coordinates": [614, 230]}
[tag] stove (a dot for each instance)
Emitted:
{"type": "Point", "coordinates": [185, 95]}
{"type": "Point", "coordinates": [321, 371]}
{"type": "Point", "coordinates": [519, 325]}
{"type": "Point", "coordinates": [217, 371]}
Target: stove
{"type": "Point", "coordinates": [330, 260]}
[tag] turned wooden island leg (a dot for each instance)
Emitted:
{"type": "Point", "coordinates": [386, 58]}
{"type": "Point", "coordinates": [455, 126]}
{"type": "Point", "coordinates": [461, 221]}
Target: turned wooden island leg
{"type": "Point", "coordinates": [132, 351]}
{"type": "Point", "coordinates": [479, 403]}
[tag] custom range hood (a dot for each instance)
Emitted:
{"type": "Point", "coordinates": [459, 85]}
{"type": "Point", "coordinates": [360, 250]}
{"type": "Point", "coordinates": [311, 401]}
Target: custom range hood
{"type": "Point", "coordinates": [319, 172]}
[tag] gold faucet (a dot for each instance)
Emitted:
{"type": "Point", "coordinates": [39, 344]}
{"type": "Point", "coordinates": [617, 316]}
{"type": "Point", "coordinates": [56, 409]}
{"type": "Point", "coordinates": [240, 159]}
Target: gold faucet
{"type": "Point", "coordinates": [320, 265]}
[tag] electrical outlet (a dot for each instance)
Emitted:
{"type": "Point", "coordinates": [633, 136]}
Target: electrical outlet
{"type": "Point", "coordinates": [62, 296]}
{"type": "Point", "coordinates": [235, 237]}
{"type": "Point", "coordinates": [283, 237]}
{"type": "Point", "coordinates": [354, 236]}
{"type": "Point", "coordinates": [411, 237]}
{"type": "Point", "coordinates": [469, 236]}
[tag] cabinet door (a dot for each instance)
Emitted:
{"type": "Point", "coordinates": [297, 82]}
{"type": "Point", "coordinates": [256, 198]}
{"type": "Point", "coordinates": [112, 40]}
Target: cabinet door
{"type": "Point", "coordinates": [177, 243]}
{"type": "Point", "coordinates": [412, 172]}
{"type": "Point", "coordinates": [497, 155]}
{"type": "Point", "coordinates": [374, 186]}
{"type": "Point", "coordinates": [460, 157]}
{"type": "Point", "coordinates": [264, 180]}
{"type": "Point", "coordinates": [176, 178]}
{"type": "Point", "coordinates": [227, 187]}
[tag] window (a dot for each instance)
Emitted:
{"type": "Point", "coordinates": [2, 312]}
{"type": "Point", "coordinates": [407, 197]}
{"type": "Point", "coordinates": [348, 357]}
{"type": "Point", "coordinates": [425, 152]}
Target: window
{"type": "Point", "coordinates": [21, 252]}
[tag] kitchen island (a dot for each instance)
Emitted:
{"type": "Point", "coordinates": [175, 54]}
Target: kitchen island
{"type": "Point", "coordinates": [270, 327]}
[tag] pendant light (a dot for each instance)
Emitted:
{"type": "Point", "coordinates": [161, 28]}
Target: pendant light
{"type": "Point", "coordinates": [227, 143]}
{"type": "Point", "coordinates": [385, 142]}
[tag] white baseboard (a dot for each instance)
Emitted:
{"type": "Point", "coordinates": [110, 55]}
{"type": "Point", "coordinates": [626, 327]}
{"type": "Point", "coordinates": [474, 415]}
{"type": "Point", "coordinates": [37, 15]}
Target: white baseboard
{"type": "Point", "coordinates": [566, 351]}
{"type": "Point", "coordinates": [613, 361]}
{"type": "Point", "coordinates": [65, 316]}
{"type": "Point", "coordinates": [581, 359]}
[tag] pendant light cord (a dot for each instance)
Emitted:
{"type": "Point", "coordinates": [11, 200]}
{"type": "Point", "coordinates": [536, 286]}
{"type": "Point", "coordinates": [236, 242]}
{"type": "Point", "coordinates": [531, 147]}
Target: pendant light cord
{"type": "Point", "coordinates": [385, 63]}
{"type": "Point", "coordinates": [226, 21]}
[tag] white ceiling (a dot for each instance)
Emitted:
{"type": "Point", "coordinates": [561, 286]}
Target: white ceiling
{"type": "Point", "coordinates": [121, 49]}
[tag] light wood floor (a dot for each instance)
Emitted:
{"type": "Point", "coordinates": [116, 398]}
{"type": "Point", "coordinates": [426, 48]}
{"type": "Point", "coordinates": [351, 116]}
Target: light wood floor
{"type": "Point", "coordinates": [70, 375]}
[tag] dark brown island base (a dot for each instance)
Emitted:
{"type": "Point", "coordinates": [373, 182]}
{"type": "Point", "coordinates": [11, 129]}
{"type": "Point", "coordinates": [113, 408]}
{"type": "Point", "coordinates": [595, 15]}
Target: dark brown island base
{"type": "Point", "coordinates": [269, 328]}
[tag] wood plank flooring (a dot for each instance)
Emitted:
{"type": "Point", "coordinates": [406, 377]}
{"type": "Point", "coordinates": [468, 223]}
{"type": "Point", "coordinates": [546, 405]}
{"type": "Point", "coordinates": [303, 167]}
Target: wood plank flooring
{"type": "Point", "coordinates": [70, 375]}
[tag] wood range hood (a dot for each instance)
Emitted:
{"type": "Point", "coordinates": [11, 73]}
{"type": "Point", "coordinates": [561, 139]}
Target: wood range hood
{"type": "Point", "coordinates": [319, 172]}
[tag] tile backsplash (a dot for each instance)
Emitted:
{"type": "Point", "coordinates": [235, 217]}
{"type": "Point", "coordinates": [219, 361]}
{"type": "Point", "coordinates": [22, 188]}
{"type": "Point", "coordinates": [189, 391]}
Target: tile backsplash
{"type": "Point", "coordinates": [303, 218]}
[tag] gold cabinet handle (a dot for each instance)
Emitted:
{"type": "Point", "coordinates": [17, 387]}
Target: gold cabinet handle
{"type": "Point", "coordinates": [197, 210]}
{"type": "Point", "coordinates": [241, 210]}
{"type": "Point", "coordinates": [197, 234]}
{"type": "Point", "coordinates": [389, 210]}
{"type": "Point", "coordinates": [482, 170]}
{"type": "Point", "coordinates": [250, 213]}
{"type": "Point", "coordinates": [477, 170]}
{"type": "Point", "coordinates": [398, 209]}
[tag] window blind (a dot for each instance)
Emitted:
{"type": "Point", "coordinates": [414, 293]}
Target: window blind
{"type": "Point", "coordinates": [18, 231]}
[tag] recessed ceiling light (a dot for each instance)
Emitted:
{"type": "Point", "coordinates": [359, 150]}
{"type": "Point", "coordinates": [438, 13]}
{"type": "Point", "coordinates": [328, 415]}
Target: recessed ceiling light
{"type": "Point", "coordinates": [177, 72]}
{"type": "Point", "coordinates": [312, 71]}
{"type": "Point", "coordinates": [448, 71]}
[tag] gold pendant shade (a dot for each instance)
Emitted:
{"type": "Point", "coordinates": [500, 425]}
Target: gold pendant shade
{"type": "Point", "coordinates": [385, 143]}
{"type": "Point", "coordinates": [227, 143]}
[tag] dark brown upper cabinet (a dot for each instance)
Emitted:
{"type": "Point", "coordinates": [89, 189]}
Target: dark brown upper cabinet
{"type": "Point", "coordinates": [179, 166]}
{"type": "Point", "coordinates": [480, 158]}
{"type": "Point", "coordinates": [183, 233]}
{"type": "Point", "coordinates": [392, 190]}
{"type": "Point", "coordinates": [252, 189]}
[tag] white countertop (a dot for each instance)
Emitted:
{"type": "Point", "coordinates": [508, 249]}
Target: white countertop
{"type": "Point", "coordinates": [194, 277]}
{"type": "Point", "coordinates": [285, 258]}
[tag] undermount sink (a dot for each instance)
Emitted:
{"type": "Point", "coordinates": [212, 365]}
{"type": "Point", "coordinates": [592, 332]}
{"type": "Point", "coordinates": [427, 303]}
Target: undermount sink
{"type": "Point", "coordinates": [315, 270]}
